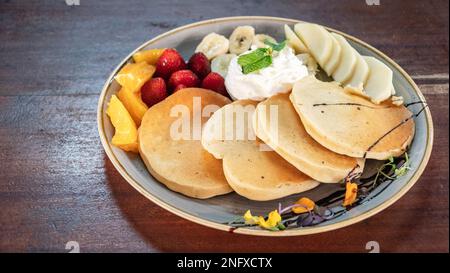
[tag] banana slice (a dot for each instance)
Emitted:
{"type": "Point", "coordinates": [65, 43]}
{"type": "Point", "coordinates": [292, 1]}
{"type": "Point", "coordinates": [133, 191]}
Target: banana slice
{"type": "Point", "coordinates": [241, 39]}
{"type": "Point", "coordinates": [293, 41]}
{"type": "Point", "coordinates": [213, 45]}
{"type": "Point", "coordinates": [335, 57]}
{"type": "Point", "coordinates": [361, 73]}
{"type": "Point", "coordinates": [317, 39]}
{"type": "Point", "coordinates": [347, 63]}
{"type": "Point", "coordinates": [259, 40]}
{"type": "Point", "coordinates": [379, 83]}
{"type": "Point", "coordinates": [220, 64]}
{"type": "Point", "coordinates": [309, 61]}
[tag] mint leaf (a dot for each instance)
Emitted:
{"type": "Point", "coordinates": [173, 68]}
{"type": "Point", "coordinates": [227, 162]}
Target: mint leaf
{"type": "Point", "coordinates": [255, 60]}
{"type": "Point", "coordinates": [253, 56]}
{"type": "Point", "coordinates": [276, 47]}
{"type": "Point", "coordinates": [251, 67]}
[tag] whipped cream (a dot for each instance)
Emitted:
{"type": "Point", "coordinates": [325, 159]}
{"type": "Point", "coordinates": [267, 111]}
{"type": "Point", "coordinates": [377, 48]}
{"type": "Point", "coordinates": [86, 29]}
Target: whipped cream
{"type": "Point", "coordinates": [279, 77]}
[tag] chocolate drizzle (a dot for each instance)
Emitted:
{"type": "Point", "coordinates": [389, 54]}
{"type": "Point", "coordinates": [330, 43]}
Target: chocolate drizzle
{"type": "Point", "coordinates": [348, 104]}
{"type": "Point", "coordinates": [391, 130]}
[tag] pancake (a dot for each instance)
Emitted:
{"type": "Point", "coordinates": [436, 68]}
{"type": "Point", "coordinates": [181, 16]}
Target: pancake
{"type": "Point", "coordinates": [291, 141]}
{"type": "Point", "coordinates": [349, 124]}
{"type": "Point", "coordinates": [182, 164]}
{"type": "Point", "coordinates": [251, 171]}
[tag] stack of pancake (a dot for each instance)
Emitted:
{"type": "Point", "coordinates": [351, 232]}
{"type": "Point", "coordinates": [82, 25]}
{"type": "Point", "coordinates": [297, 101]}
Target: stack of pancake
{"type": "Point", "coordinates": [286, 144]}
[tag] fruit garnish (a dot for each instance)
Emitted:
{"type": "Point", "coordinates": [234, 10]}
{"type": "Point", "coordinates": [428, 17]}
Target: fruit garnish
{"type": "Point", "coordinates": [221, 63]}
{"type": "Point", "coordinates": [214, 81]}
{"type": "Point", "coordinates": [241, 39]}
{"type": "Point", "coordinates": [179, 87]}
{"type": "Point", "coordinates": [199, 64]}
{"type": "Point", "coordinates": [133, 103]}
{"type": "Point", "coordinates": [154, 91]}
{"type": "Point", "coordinates": [259, 58]}
{"type": "Point", "coordinates": [169, 62]}
{"type": "Point", "coordinates": [125, 136]}
{"type": "Point", "coordinates": [133, 75]}
{"type": "Point", "coordinates": [213, 45]}
{"type": "Point", "coordinates": [185, 77]}
{"type": "Point", "coordinates": [149, 56]}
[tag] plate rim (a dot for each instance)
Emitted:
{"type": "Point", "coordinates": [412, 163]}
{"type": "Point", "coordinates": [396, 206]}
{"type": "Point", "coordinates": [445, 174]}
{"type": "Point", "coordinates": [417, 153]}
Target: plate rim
{"type": "Point", "coordinates": [293, 232]}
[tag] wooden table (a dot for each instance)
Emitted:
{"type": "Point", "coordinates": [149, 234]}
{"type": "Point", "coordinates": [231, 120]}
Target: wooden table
{"type": "Point", "coordinates": [57, 185]}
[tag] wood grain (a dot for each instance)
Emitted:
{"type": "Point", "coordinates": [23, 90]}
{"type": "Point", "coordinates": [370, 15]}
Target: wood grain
{"type": "Point", "coordinates": [57, 185]}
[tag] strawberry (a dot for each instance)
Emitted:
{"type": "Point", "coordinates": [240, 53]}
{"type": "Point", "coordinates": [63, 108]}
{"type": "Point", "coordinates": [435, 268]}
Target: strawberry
{"type": "Point", "coordinates": [214, 81]}
{"type": "Point", "coordinates": [199, 64]}
{"type": "Point", "coordinates": [169, 62]}
{"type": "Point", "coordinates": [153, 91]}
{"type": "Point", "coordinates": [179, 87]}
{"type": "Point", "coordinates": [184, 77]}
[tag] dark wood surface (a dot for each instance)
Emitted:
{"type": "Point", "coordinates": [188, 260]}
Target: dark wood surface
{"type": "Point", "coordinates": [57, 185]}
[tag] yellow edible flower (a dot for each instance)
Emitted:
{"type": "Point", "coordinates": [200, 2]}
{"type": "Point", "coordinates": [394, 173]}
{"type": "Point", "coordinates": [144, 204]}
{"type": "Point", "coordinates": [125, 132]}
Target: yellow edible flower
{"type": "Point", "coordinates": [250, 219]}
{"type": "Point", "coordinates": [351, 191]}
{"type": "Point", "coordinates": [272, 220]}
{"type": "Point", "coordinates": [306, 205]}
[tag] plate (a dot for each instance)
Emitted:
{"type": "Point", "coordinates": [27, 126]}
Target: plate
{"type": "Point", "coordinates": [216, 212]}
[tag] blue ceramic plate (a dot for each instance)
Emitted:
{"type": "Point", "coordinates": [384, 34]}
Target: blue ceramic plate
{"type": "Point", "coordinates": [218, 211]}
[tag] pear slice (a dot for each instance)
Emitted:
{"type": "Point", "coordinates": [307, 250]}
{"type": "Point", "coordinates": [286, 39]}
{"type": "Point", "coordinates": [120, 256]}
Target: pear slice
{"type": "Point", "coordinates": [347, 63]}
{"type": "Point", "coordinates": [317, 39]}
{"type": "Point", "coordinates": [335, 57]}
{"type": "Point", "coordinates": [361, 73]}
{"type": "Point", "coordinates": [293, 41]}
{"type": "Point", "coordinates": [379, 83]}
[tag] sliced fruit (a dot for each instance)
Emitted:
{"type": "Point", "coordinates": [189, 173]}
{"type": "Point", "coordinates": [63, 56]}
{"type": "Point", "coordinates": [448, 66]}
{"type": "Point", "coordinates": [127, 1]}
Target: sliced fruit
{"type": "Point", "coordinates": [347, 61]}
{"type": "Point", "coordinates": [149, 56]}
{"type": "Point", "coordinates": [309, 61]}
{"type": "Point", "coordinates": [317, 39]}
{"type": "Point", "coordinates": [185, 77]}
{"type": "Point", "coordinates": [133, 103]}
{"type": "Point", "coordinates": [169, 62]}
{"type": "Point", "coordinates": [125, 136]}
{"type": "Point", "coordinates": [220, 64]}
{"type": "Point", "coordinates": [133, 75]}
{"type": "Point", "coordinates": [293, 41]}
{"type": "Point", "coordinates": [361, 73]}
{"type": "Point", "coordinates": [241, 39]}
{"type": "Point", "coordinates": [199, 64]}
{"type": "Point", "coordinates": [214, 81]}
{"type": "Point", "coordinates": [335, 57]}
{"type": "Point", "coordinates": [179, 87]}
{"type": "Point", "coordinates": [154, 91]}
{"type": "Point", "coordinates": [379, 83]}
{"type": "Point", "coordinates": [260, 39]}
{"type": "Point", "coordinates": [213, 45]}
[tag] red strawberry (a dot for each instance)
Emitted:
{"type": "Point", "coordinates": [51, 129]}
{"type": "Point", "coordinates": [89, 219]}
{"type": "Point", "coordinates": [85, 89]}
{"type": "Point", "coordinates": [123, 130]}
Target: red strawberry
{"type": "Point", "coordinates": [184, 77]}
{"type": "Point", "coordinates": [179, 87]}
{"type": "Point", "coordinates": [153, 91]}
{"type": "Point", "coordinates": [199, 64]}
{"type": "Point", "coordinates": [214, 81]}
{"type": "Point", "coordinates": [169, 62]}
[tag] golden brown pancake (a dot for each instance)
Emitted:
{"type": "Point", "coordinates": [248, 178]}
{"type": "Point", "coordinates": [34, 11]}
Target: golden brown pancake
{"type": "Point", "coordinates": [287, 136]}
{"type": "Point", "coordinates": [182, 165]}
{"type": "Point", "coordinates": [250, 169]}
{"type": "Point", "coordinates": [351, 125]}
